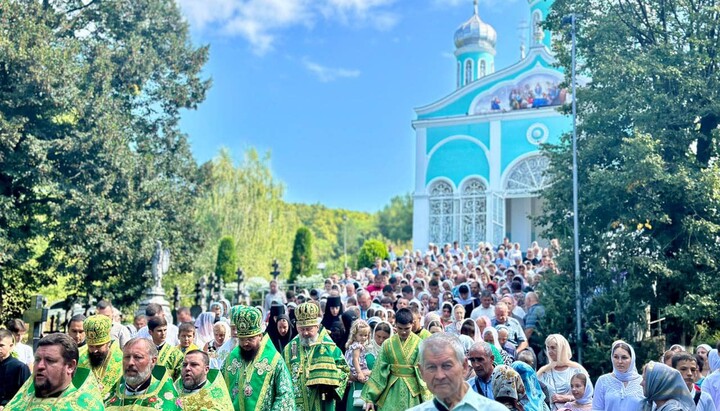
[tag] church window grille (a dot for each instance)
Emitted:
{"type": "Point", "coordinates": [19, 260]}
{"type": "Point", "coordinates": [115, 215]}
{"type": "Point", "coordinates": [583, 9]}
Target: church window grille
{"type": "Point", "coordinates": [483, 68]}
{"type": "Point", "coordinates": [473, 213]}
{"type": "Point", "coordinates": [528, 176]}
{"type": "Point", "coordinates": [442, 213]}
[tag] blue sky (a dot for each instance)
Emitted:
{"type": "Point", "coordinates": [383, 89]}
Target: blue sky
{"type": "Point", "coordinates": [329, 86]}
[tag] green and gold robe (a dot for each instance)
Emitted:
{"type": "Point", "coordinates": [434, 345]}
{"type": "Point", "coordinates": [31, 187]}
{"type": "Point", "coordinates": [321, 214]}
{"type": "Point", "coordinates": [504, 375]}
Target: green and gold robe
{"type": "Point", "coordinates": [184, 351]}
{"type": "Point", "coordinates": [211, 397]}
{"type": "Point", "coordinates": [395, 382]}
{"type": "Point", "coordinates": [320, 364]}
{"type": "Point", "coordinates": [160, 395]}
{"type": "Point", "coordinates": [107, 374]}
{"type": "Point", "coordinates": [82, 394]}
{"type": "Point", "coordinates": [263, 384]}
{"type": "Point", "coordinates": [423, 334]}
{"type": "Point", "coordinates": [171, 358]}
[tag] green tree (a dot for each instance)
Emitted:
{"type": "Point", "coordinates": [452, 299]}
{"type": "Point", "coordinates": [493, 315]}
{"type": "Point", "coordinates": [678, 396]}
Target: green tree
{"type": "Point", "coordinates": [371, 250]}
{"type": "Point", "coordinates": [648, 198]}
{"type": "Point", "coordinates": [93, 168]}
{"type": "Point", "coordinates": [226, 260]}
{"type": "Point", "coordinates": [244, 201]}
{"type": "Point", "coordinates": [302, 256]}
{"type": "Point", "coordinates": [395, 219]}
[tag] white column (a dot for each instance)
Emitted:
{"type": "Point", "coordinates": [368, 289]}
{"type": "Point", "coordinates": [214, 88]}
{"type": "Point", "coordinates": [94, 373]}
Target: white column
{"type": "Point", "coordinates": [421, 202]}
{"type": "Point", "coordinates": [421, 221]}
{"type": "Point", "coordinates": [495, 185]}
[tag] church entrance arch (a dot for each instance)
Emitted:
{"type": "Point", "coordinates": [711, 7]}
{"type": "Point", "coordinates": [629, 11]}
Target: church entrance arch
{"type": "Point", "coordinates": [524, 182]}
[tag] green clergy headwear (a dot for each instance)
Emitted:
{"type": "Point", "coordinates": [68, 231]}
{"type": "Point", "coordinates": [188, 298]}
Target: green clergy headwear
{"type": "Point", "coordinates": [247, 320]}
{"type": "Point", "coordinates": [97, 329]}
{"type": "Point", "coordinates": [307, 315]}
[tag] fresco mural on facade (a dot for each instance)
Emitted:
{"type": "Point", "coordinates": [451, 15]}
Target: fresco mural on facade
{"type": "Point", "coordinates": [535, 91]}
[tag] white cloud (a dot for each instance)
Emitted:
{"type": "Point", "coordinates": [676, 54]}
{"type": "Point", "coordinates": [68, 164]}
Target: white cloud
{"type": "Point", "coordinates": [261, 21]}
{"type": "Point", "coordinates": [328, 74]}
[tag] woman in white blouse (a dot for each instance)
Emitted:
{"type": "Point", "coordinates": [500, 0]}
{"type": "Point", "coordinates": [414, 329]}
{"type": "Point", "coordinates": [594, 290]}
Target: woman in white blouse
{"type": "Point", "coordinates": [620, 390]}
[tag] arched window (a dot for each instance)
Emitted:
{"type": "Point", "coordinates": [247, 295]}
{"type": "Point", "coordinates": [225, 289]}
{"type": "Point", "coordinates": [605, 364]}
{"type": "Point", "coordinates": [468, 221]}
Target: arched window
{"type": "Point", "coordinates": [483, 68]}
{"type": "Point", "coordinates": [528, 176]}
{"type": "Point", "coordinates": [442, 213]}
{"type": "Point", "coordinates": [537, 27]}
{"type": "Point", "coordinates": [492, 68]}
{"type": "Point", "coordinates": [468, 72]}
{"type": "Point", "coordinates": [473, 213]}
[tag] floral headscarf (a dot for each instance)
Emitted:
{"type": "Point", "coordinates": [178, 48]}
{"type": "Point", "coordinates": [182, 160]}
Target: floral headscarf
{"type": "Point", "coordinates": [506, 383]}
{"type": "Point", "coordinates": [664, 383]}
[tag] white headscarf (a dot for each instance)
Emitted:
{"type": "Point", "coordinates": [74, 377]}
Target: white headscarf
{"type": "Point", "coordinates": [204, 327]}
{"type": "Point", "coordinates": [631, 373]}
{"type": "Point", "coordinates": [373, 347]}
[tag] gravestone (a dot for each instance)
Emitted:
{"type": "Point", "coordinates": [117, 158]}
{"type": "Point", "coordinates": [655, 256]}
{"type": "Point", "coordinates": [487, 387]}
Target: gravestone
{"type": "Point", "coordinates": [155, 293]}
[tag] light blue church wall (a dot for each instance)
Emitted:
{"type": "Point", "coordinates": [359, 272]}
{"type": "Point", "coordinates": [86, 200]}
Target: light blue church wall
{"type": "Point", "coordinates": [514, 136]}
{"type": "Point", "coordinates": [456, 160]}
{"type": "Point", "coordinates": [479, 131]}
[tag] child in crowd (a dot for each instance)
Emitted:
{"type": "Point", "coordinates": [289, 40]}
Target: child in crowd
{"type": "Point", "coordinates": [168, 356]}
{"type": "Point", "coordinates": [355, 356]}
{"type": "Point", "coordinates": [583, 393]}
{"type": "Point", "coordinates": [356, 347]}
{"type": "Point", "coordinates": [391, 317]}
{"type": "Point", "coordinates": [186, 335]}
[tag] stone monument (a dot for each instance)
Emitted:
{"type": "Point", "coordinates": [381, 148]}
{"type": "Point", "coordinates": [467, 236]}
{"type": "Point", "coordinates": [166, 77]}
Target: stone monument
{"type": "Point", "coordinates": [155, 294]}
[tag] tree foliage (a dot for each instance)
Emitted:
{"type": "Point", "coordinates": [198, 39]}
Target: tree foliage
{"type": "Point", "coordinates": [371, 250]}
{"type": "Point", "coordinates": [336, 232]}
{"type": "Point", "coordinates": [395, 220]}
{"type": "Point", "coordinates": [93, 168]}
{"type": "Point", "coordinates": [244, 201]}
{"type": "Point", "coordinates": [649, 195]}
{"type": "Point", "coordinates": [302, 254]}
{"type": "Point", "coordinates": [226, 260]}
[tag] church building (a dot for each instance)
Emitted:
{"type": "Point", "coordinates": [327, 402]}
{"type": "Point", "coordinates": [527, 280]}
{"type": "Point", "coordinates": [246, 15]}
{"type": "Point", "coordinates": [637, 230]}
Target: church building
{"type": "Point", "coordinates": [478, 165]}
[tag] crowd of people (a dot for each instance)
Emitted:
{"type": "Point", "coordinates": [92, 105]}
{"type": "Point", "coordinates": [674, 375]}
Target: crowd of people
{"type": "Point", "coordinates": [448, 328]}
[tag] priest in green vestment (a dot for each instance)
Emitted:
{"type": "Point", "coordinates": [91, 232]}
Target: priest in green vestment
{"type": "Point", "coordinates": [101, 355]}
{"type": "Point", "coordinates": [318, 368]}
{"type": "Point", "coordinates": [57, 384]}
{"type": "Point", "coordinates": [168, 355]}
{"type": "Point", "coordinates": [144, 384]}
{"type": "Point", "coordinates": [255, 373]}
{"type": "Point", "coordinates": [395, 382]}
{"type": "Point", "coordinates": [202, 388]}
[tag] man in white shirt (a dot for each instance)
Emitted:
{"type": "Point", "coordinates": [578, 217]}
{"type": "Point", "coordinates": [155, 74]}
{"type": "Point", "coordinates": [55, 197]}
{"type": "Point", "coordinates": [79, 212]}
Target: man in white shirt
{"type": "Point", "coordinates": [274, 295]}
{"type": "Point", "coordinates": [443, 366]}
{"type": "Point", "coordinates": [24, 352]}
{"type": "Point", "coordinates": [486, 307]}
{"type": "Point", "coordinates": [153, 310]}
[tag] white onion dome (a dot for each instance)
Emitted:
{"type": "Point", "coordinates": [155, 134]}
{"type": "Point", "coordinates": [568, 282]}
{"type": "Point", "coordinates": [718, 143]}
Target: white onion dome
{"type": "Point", "coordinates": [476, 33]}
